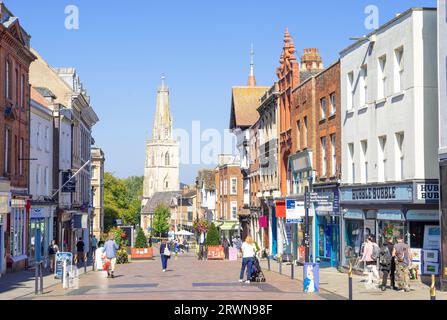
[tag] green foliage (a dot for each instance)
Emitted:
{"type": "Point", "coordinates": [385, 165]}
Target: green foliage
{"type": "Point", "coordinates": [212, 237]}
{"type": "Point", "coordinates": [141, 241]}
{"type": "Point", "coordinates": [122, 256]}
{"type": "Point", "coordinates": [122, 200]}
{"type": "Point", "coordinates": [160, 223]}
{"type": "Point", "coordinates": [201, 226]}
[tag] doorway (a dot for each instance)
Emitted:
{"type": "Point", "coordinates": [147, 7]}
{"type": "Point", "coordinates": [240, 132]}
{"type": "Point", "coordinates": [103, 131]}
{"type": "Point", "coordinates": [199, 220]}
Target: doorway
{"type": "Point", "coordinates": [37, 240]}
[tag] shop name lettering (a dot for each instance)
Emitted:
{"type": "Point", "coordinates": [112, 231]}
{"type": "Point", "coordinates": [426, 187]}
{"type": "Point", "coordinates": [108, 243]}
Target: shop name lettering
{"type": "Point", "coordinates": [374, 193]}
{"type": "Point", "coordinates": [428, 191]}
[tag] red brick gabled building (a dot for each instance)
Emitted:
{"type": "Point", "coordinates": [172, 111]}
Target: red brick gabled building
{"type": "Point", "coordinates": [15, 59]}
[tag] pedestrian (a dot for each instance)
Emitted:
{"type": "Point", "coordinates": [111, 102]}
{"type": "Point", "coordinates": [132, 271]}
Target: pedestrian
{"type": "Point", "coordinates": [52, 250]}
{"type": "Point", "coordinates": [150, 242]}
{"type": "Point", "coordinates": [94, 244]}
{"type": "Point", "coordinates": [110, 248]}
{"type": "Point", "coordinates": [99, 256]}
{"type": "Point", "coordinates": [226, 246]}
{"type": "Point", "coordinates": [370, 255]}
{"type": "Point", "coordinates": [201, 246]}
{"type": "Point", "coordinates": [387, 263]}
{"type": "Point", "coordinates": [165, 254]}
{"type": "Point", "coordinates": [404, 257]}
{"type": "Point", "coordinates": [80, 245]}
{"type": "Point", "coordinates": [248, 253]}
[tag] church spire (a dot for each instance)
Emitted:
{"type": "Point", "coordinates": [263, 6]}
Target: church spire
{"type": "Point", "coordinates": [162, 129]}
{"type": "Point", "coordinates": [251, 77]}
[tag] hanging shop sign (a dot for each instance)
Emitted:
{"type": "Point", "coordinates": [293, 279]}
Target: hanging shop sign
{"type": "Point", "coordinates": [280, 210]}
{"type": "Point", "coordinates": [295, 211]}
{"type": "Point", "coordinates": [428, 192]}
{"type": "Point", "coordinates": [38, 213]}
{"type": "Point", "coordinates": [374, 194]}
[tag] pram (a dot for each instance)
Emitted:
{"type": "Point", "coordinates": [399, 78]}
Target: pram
{"type": "Point", "coordinates": [256, 272]}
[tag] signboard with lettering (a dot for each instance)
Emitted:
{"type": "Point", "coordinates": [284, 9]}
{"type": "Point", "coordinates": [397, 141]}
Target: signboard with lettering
{"type": "Point", "coordinates": [371, 194]}
{"type": "Point", "coordinates": [38, 213]}
{"type": "Point", "coordinates": [60, 257]}
{"type": "Point", "coordinates": [294, 211]}
{"type": "Point", "coordinates": [428, 192]}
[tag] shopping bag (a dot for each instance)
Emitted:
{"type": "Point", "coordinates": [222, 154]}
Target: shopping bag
{"type": "Point", "coordinates": [106, 265]}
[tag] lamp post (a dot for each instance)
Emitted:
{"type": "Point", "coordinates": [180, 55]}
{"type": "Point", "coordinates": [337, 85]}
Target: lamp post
{"type": "Point", "coordinates": [307, 192]}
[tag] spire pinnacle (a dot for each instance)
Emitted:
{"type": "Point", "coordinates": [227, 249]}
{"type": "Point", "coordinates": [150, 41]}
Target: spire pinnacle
{"type": "Point", "coordinates": [251, 77]}
{"type": "Point", "coordinates": [163, 84]}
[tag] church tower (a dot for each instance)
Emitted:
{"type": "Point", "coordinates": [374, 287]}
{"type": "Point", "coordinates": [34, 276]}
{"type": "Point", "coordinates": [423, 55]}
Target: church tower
{"type": "Point", "coordinates": [161, 171]}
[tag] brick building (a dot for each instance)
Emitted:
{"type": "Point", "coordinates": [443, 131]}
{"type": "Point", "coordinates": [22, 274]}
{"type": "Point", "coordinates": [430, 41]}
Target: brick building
{"type": "Point", "coordinates": [15, 59]}
{"type": "Point", "coordinates": [230, 196]}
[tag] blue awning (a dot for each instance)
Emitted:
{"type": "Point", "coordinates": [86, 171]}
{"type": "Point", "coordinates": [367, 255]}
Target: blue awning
{"type": "Point", "coordinates": [354, 214]}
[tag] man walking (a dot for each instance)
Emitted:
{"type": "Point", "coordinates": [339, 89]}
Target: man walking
{"type": "Point", "coordinates": [80, 250]}
{"type": "Point", "coordinates": [387, 263]}
{"type": "Point", "coordinates": [404, 257]}
{"type": "Point", "coordinates": [110, 248]}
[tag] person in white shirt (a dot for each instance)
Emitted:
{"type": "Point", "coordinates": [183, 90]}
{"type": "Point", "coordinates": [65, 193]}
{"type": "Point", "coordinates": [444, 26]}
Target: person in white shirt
{"type": "Point", "coordinates": [248, 253]}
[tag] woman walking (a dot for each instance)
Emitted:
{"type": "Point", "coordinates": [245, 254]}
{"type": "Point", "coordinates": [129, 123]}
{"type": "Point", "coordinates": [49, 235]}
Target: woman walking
{"type": "Point", "coordinates": [370, 255]}
{"type": "Point", "coordinates": [165, 254]}
{"type": "Point", "coordinates": [248, 253]}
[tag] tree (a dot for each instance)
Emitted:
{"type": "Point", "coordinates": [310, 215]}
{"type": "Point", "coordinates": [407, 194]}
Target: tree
{"type": "Point", "coordinates": [212, 237]}
{"type": "Point", "coordinates": [160, 223]}
{"type": "Point", "coordinates": [141, 241]}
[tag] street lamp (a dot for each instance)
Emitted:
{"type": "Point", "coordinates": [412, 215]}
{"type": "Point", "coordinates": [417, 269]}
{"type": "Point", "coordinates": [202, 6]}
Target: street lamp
{"type": "Point", "coordinates": [307, 192]}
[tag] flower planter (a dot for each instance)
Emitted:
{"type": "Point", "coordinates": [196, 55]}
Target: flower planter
{"type": "Point", "coordinates": [142, 254]}
{"type": "Point", "coordinates": [216, 253]}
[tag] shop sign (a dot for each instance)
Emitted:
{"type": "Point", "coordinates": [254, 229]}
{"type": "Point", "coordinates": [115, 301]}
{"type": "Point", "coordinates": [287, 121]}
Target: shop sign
{"type": "Point", "coordinates": [323, 202]}
{"type": "Point", "coordinates": [392, 215]}
{"type": "Point", "coordinates": [294, 211]}
{"type": "Point", "coordinates": [388, 193]}
{"type": "Point", "coordinates": [423, 215]}
{"type": "Point", "coordinates": [38, 213]}
{"type": "Point", "coordinates": [18, 203]}
{"type": "Point", "coordinates": [428, 192]}
{"type": "Point", "coordinates": [60, 258]}
{"type": "Point", "coordinates": [354, 214]}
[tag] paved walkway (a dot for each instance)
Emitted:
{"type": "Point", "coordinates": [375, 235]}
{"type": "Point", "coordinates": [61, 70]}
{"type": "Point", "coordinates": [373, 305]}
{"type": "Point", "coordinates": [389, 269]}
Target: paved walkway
{"type": "Point", "coordinates": [190, 279]}
{"type": "Point", "coordinates": [19, 284]}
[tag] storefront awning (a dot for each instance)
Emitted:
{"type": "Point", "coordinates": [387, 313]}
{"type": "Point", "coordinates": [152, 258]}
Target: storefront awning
{"type": "Point", "coordinates": [280, 209]}
{"type": "Point", "coordinates": [354, 214]}
{"type": "Point", "coordinates": [423, 215]}
{"type": "Point", "coordinates": [228, 226]}
{"type": "Point", "coordinates": [390, 214]}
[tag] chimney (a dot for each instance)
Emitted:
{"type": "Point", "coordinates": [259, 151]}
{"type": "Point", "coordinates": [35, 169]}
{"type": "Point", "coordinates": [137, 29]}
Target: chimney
{"type": "Point", "coordinates": [311, 60]}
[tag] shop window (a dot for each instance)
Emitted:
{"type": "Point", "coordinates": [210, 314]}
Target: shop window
{"type": "Point", "coordinates": [391, 229]}
{"type": "Point", "coordinates": [354, 239]}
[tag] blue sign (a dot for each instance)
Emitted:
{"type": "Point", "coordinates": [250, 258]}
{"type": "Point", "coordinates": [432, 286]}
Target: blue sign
{"type": "Point", "coordinates": [311, 277]}
{"type": "Point", "coordinates": [295, 211]}
{"type": "Point", "coordinates": [60, 258]}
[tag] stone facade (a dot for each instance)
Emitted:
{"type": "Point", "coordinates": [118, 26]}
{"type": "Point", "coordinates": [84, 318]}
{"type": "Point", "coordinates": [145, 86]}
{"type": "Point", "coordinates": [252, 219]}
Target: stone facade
{"type": "Point", "coordinates": [98, 160]}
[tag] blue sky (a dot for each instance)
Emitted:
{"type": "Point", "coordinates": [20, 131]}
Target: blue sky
{"type": "Point", "coordinates": [122, 48]}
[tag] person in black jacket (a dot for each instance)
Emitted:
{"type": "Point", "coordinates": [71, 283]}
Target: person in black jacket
{"type": "Point", "coordinates": [387, 263]}
{"type": "Point", "coordinates": [165, 254]}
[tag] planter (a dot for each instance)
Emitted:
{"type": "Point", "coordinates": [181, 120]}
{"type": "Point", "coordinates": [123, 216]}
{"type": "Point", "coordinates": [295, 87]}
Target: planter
{"type": "Point", "coordinates": [216, 253]}
{"type": "Point", "coordinates": [142, 254]}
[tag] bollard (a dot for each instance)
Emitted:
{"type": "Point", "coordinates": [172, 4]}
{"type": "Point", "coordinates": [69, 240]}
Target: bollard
{"type": "Point", "coordinates": [292, 270]}
{"type": "Point", "coordinates": [36, 282]}
{"type": "Point", "coordinates": [350, 280]}
{"type": "Point", "coordinates": [85, 264]}
{"type": "Point", "coordinates": [433, 288]}
{"type": "Point", "coordinates": [280, 266]}
{"type": "Point", "coordinates": [268, 262]}
{"type": "Point", "coordinates": [41, 277]}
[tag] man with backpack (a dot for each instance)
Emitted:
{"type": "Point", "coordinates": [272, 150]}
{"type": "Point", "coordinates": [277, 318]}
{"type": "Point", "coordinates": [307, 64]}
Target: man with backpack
{"type": "Point", "coordinates": [387, 263]}
{"type": "Point", "coordinates": [404, 257]}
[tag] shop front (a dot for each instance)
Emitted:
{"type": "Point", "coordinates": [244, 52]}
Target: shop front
{"type": "Point", "coordinates": [40, 232]}
{"type": "Point", "coordinates": [327, 224]}
{"type": "Point", "coordinates": [273, 230]}
{"type": "Point", "coordinates": [17, 250]}
{"type": "Point", "coordinates": [386, 211]}
{"type": "Point", "coordinates": [4, 209]}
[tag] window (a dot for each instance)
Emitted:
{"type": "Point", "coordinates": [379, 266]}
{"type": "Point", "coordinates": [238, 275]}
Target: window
{"type": "Point", "coordinates": [45, 177]}
{"type": "Point", "coordinates": [166, 185]}
{"type": "Point", "coordinates": [398, 69]}
{"type": "Point", "coordinates": [333, 104]}
{"type": "Point", "coordinates": [323, 156]}
{"type": "Point", "coordinates": [17, 87]}
{"type": "Point", "coordinates": [351, 172]}
{"type": "Point", "coordinates": [7, 80]}
{"type": "Point", "coordinates": [298, 135]}
{"type": "Point", "coordinates": [333, 155]}
{"type": "Point", "coordinates": [7, 150]}
{"type": "Point", "coordinates": [381, 163]}
{"type": "Point", "coordinates": [17, 233]}
{"type": "Point", "coordinates": [47, 139]}
{"type": "Point", "coordinates": [400, 156]}
{"type": "Point", "coordinates": [16, 152]}
{"type": "Point", "coordinates": [323, 108]}
{"type": "Point", "coordinates": [38, 137]}
{"type": "Point", "coordinates": [167, 159]}
{"type": "Point", "coordinates": [234, 210]}
{"type": "Point", "coordinates": [233, 185]}
{"type": "Point", "coordinates": [37, 177]}
{"type": "Point", "coordinates": [350, 91]}
{"type": "Point", "coordinates": [225, 187]}
{"type": "Point", "coordinates": [22, 91]}
{"type": "Point", "coordinates": [381, 76]}
{"type": "Point", "coordinates": [364, 85]}
{"type": "Point", "coordinates": [21, 153]}
{"type": "Point", "coordinates": [305, 133]}
{"type": "Point", "coordinates": [364, 161]}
